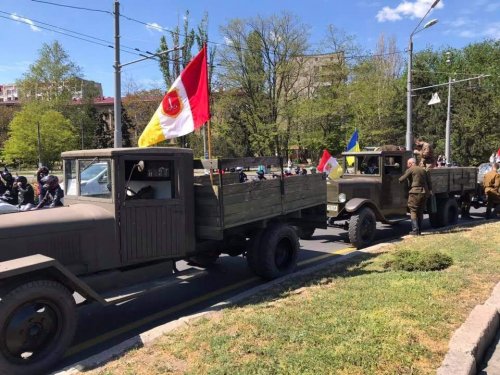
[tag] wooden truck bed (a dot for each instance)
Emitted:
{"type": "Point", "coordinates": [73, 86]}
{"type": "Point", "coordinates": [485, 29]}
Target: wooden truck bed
{"type": "Point", "coordinates": [453, 180]}
{"type": "Point", "coordinates": [222, 202]}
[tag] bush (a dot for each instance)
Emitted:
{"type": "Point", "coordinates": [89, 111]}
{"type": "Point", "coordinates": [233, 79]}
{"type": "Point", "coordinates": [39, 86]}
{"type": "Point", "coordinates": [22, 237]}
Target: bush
{"type": "Point", "coordinates": [412, 260]}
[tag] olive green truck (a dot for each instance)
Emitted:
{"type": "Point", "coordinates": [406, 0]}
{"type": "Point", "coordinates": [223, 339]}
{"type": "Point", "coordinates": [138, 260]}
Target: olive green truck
{"type": "Point", "coordinates": [129, 214]}
{"type": "Point", "coordinates": [370, 192]}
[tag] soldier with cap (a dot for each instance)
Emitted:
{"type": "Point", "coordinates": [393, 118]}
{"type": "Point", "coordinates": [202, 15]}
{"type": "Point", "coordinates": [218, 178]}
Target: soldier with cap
{"type": "Point", "coordinates": [420, 189]}
{"type": "Point", "coordinates": [426, 153]}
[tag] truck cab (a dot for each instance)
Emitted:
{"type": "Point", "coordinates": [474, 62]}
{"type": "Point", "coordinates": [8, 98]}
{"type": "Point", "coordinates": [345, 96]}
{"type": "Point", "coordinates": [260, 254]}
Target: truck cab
{"type": "Point", "coordinates": [370, 179]}
{"type": "Point", "coordinates": [147, 191]}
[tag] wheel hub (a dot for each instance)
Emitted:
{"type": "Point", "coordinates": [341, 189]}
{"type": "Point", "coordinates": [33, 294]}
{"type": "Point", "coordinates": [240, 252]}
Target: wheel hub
{"type": "Point", "coordinates": [29, 330]}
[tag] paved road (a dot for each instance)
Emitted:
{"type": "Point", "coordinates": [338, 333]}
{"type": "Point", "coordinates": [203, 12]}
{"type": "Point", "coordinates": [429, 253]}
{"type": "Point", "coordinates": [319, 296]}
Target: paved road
{"type": "Point", "coordinates": [491, 365]}
{"type": "Point", "coordinates": [102, 327]}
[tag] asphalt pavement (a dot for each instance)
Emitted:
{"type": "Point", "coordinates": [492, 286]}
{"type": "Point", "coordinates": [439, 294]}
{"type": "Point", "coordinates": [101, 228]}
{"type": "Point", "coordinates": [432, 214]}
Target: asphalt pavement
{"type": "Point", "coordinates": [100, 328]}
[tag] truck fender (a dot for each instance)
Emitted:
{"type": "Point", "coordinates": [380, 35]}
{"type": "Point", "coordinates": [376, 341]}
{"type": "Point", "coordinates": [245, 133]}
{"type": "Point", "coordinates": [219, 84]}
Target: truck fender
{"type": "Point", "coordinates": [36, 266]}
{"type": "Point", "coordinates": [355, 204]}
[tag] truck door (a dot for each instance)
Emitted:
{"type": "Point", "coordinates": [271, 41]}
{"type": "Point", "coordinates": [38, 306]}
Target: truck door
{"type": "Point", "coordinates": [153, 213]}
{"type": "Point", "coordinates": [394, 199]}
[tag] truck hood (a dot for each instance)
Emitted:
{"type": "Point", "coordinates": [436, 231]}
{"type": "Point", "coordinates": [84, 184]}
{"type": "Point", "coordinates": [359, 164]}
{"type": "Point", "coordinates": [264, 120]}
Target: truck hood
{"type": "Point", "coordinates": [360, 187]}
{"type": "Point", "coordinates": [53, 220]}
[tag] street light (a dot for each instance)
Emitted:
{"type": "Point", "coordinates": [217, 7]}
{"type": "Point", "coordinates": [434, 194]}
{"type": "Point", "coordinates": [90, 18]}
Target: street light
{"type": "Point", "coordinates": [409, 136]}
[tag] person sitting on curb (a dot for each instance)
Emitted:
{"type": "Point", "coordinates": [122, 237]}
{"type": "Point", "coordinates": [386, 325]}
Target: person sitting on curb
{"type": "Point", "coordinates": [53, 193]}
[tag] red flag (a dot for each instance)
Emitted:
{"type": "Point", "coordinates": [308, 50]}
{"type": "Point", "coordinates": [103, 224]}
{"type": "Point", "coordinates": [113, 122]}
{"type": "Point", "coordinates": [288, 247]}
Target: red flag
{"type": "Point", "coordinates": [324, 159]}
{"type": "Point", "coordinates": [184, 108]}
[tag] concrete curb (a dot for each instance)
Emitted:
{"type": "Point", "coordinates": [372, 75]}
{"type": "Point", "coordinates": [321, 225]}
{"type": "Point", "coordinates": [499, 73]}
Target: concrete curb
{"type": "Point", "coordinates": [469, 343]}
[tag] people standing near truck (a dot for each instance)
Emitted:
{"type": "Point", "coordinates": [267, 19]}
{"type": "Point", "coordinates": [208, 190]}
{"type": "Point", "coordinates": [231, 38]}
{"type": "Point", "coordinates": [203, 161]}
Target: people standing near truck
{"type": "Point", "coordinates": [420, 188]}
{"type": "Point", "coordinates": [491, 183]}
{"type": "Point", "coordinates": [425, 152]}
{"type": "Point", "coordinates": [53, 193]}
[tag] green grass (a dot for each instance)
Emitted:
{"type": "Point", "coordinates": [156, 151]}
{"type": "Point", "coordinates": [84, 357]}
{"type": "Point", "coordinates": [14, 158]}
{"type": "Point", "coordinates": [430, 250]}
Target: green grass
{"type": "Point", "coordinates": [355, 318]}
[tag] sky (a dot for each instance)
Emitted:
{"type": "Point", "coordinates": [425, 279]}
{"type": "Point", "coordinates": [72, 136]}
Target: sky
{"type": "Point", "coordinates": [24, 26]}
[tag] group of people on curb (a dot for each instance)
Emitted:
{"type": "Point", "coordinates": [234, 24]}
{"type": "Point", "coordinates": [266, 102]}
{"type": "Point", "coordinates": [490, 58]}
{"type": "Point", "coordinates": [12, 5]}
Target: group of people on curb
{"type": "Point", "coordinates": [18, 193]}
{"type": "Point", "coordinates": [420, 185]}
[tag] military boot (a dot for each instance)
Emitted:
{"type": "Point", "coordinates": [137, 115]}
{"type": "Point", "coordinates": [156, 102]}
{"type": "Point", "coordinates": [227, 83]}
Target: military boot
{"type": "Point", "coordinates": [414, 227]}
{"type": "Point", "coordinates": [420, 221]}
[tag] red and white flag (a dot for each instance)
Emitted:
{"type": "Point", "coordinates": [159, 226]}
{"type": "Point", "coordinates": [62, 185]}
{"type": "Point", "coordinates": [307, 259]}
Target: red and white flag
{"type": "Point", "coordinates": [185, 106]}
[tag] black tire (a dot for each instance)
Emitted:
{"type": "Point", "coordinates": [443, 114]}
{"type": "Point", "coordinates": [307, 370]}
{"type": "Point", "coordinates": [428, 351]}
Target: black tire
{"type": "Point", "coordinates": [37, 324]}
{"type": "Point", "coordinates": [278, 251]}
{"type": "Point", "coordinates": [362, 227]}
{"type": "Point", "coordinates": [252, 250]}
{"type": "Point", "coordinates": [434, 220]}
{"type": "Point", "coordinates": [447, 212]}
{"type": "Point", "coordinates": [305, 233]}
{"type": "Point", "coordinates": [203, 260]}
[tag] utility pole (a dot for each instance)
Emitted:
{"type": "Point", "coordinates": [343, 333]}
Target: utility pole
{"type": "Point", "coordinates": [39, 139]}
{"type": "Point", "coordinates": [118, 96]}
{"type": "Point", "coordinates": [448, 116]}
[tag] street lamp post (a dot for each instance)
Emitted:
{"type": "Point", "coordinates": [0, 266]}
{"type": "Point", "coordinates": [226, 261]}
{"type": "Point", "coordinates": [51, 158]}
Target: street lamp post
{"type": "Point", "coordinates": [409, 135]}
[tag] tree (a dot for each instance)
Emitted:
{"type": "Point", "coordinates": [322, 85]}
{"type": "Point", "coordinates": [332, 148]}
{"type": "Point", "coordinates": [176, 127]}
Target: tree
{"type": "Point", "coordinates": [127, 128]}
{"type": "Point", "coordinates": [6, 115]}
{"type": "Point", "coordinates": [260, 60]}
{"type": "Point", "coordinates": [103, 134]}
{"type": "Point", "coordinates": [140, 106]}
{"type": "Point", "coordinates": [475, 104]}
{"type": "Point", "coordinates": [56, 134]}
{"type": "Point", "coordinates": [53, 76]}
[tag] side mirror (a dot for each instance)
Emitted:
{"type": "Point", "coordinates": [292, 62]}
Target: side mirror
{"type": "Point", "coordinates": [140, 166]}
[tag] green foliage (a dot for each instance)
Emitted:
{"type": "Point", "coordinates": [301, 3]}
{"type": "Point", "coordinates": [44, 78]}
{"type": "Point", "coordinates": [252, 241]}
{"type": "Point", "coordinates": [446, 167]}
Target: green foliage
{"type": "Point", "coordinates": [475, 112]}
{"type": "Point", "coordinates": [57, 134]}
{"type": "Point", "coordinates": [103, 134]}
{"type": "Point", "coordinates": [6, 116]}
{"type": "Point", "coordinates": [414, 260]}
{"type": "Point", "coordinates": [53, 76]}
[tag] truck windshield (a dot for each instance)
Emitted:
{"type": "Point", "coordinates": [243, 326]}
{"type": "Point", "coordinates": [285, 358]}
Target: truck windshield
{"type": "Point", "coordinates": [364, 164]}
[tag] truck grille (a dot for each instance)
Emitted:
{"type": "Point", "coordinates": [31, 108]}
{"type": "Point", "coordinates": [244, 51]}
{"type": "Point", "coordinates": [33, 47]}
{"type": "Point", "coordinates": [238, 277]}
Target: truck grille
{"type": "Point", "coordinates": [332, 192]}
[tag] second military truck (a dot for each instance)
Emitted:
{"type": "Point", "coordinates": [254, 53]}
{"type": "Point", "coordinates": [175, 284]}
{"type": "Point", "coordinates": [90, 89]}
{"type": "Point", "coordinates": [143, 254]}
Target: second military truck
{"type": "Point", "coordinates": [370, 191]}
{"type": "Point", "coordinates": [129, 215]}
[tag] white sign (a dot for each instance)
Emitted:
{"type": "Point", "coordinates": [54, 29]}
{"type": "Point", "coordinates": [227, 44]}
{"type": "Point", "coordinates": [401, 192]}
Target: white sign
{"type": "Point", "coordinates": [435, 99]}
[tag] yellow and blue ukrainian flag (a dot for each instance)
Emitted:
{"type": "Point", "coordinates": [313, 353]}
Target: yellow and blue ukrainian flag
{"type": "Point", "coordinates": [352, 146]}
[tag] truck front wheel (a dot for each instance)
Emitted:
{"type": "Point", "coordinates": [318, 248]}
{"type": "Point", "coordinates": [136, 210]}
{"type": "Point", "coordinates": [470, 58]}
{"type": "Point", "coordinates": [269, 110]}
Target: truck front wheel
{"type": "Point", "coordinates": [277, 253]}
{"type": "Point", "coordinates": [37, 324]}
{"type": "Point", "coordinates": [362, 228]}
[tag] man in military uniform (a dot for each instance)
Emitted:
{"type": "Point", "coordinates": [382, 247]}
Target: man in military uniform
{"type": "Point", "coordinates": [491, 184]}
{"type": "Point", "coordinates": [420, 188]}
{"type": "Point", "coordinates": [426, 154]}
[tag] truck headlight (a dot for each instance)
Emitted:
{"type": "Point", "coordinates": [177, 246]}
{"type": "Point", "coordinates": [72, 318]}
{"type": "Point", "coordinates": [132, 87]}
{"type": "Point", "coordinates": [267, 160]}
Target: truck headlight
{"type": "Point", "coordinates": [342, 198]}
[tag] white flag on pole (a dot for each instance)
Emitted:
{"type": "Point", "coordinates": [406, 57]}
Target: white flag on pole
{"type": "Point", "coordinates": [435, 99]}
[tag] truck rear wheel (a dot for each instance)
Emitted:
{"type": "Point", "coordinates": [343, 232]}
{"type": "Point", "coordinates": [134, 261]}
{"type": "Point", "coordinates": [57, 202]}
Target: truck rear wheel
{"type": "Point", "coordinates": [37, 324]}
{"type": "Point", "coordinates": [305, 233]}
{"type": "Point", "coordinates": [447, 212]}
{"type": "Point", "coordinates": [362, 227]}
{"type": "Point", "coordinates": [278, 250]}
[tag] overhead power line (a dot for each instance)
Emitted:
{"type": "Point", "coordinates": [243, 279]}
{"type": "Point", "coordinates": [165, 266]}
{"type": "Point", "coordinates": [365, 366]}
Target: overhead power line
{"type": "Point", "coordinates": [161, 28]}
{"type": "Point", "coordinates": [73, 7]}
{"type": "Point", "coordinates": [78, 35]}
